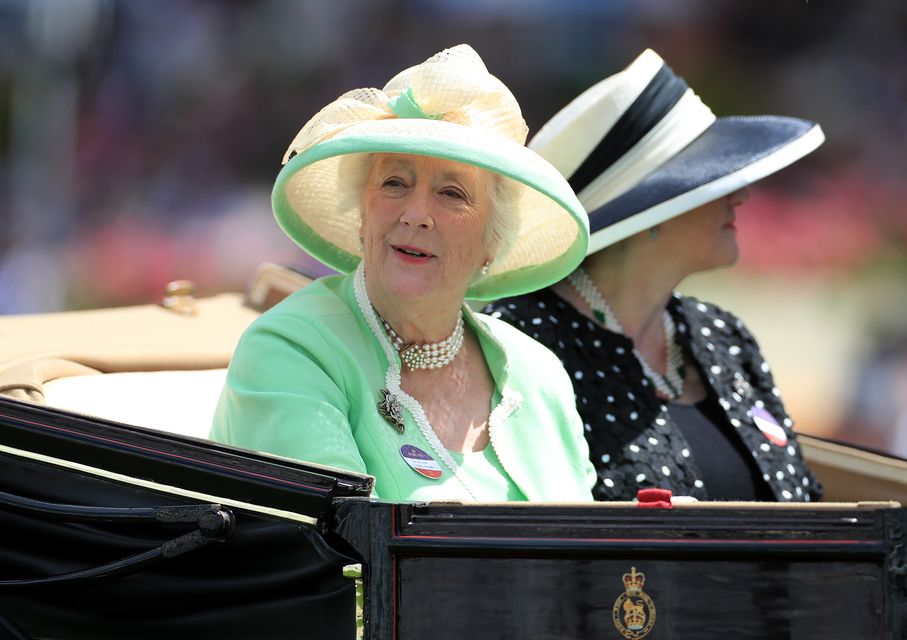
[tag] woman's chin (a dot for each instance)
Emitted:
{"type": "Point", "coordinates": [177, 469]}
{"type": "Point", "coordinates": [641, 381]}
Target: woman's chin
{"type": "Point", "coordinates": [727, 260]}
{"type": "Point", "coordinates": [727, 253]}
{"type": "Point", "coordinates": [413, 288]}
{"type": "Point", "coordinates": [721, 260]}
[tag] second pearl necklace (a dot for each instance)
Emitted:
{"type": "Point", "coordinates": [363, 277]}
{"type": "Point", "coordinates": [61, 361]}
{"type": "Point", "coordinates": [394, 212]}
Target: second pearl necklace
{"type": "Point", "coordinates": [670, 384]}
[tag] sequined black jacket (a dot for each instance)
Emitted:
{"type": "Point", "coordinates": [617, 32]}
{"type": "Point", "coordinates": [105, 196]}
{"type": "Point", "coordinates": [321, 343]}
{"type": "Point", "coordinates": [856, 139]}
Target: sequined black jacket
{"type": "Point", "coordinates": [633, 441]}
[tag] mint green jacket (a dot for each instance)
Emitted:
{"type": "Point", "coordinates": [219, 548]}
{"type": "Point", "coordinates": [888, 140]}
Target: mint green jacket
{"type": "Point", "coordinates": [306, 378]}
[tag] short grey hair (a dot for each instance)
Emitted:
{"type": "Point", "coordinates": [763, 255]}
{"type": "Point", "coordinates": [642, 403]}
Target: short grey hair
{"type": "Point", "coordinates": [504, 221]}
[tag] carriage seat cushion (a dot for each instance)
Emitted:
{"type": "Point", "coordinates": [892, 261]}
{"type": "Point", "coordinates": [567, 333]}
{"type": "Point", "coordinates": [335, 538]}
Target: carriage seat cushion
{"type": "Point", "coordinates": [176, 401]}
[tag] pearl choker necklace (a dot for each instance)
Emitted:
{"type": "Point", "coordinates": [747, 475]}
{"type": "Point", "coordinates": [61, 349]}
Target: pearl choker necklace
{"type": "Point", "coordinates": [428, 355]}
{"type": "Point", "coordinates": [670, 384]}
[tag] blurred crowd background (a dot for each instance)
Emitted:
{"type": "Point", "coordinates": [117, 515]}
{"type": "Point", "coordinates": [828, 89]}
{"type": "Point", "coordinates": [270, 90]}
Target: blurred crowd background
{"type": "Point", "coordinates": [139, 141]}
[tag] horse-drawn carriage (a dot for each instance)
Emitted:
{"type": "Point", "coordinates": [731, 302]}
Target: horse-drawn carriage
{"type": "Point", "coordinates": [119, 519]}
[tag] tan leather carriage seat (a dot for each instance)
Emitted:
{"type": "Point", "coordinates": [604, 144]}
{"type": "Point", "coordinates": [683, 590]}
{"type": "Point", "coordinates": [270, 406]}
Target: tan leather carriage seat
{"type": "Point", "coordinates": [160, 366]}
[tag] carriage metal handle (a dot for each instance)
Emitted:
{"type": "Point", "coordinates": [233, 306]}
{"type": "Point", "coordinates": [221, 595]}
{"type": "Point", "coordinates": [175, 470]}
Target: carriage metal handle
{"type": "Point", "coordinates": [214, 524]}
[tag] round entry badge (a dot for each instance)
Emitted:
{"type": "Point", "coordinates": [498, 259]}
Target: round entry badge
{"type": "Point", "coordinates": [421, 462]}
{"type": "Point", "coordinates": [769, 426]}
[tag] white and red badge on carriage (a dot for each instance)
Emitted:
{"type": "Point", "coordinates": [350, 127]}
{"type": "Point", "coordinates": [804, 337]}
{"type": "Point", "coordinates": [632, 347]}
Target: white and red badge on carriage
{"type": "Point", "coordinates": [421, 462]}
{"type": "Point", "coordinates": [769, 427]}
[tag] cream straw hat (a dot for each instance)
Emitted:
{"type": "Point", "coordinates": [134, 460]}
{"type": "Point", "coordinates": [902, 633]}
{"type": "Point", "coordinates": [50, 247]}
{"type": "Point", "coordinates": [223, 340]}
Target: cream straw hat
{"type": "Point", "coordinates": [447, 107]}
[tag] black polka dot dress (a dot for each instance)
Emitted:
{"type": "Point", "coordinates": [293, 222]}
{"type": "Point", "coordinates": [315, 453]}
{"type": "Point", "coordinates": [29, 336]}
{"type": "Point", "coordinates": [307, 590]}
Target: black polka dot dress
{"type": "Point", "coordinates": [634, 439]}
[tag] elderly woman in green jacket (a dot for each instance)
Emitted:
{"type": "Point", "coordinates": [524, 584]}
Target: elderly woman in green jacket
{"type": "Point", "coordinates": [422, 194]}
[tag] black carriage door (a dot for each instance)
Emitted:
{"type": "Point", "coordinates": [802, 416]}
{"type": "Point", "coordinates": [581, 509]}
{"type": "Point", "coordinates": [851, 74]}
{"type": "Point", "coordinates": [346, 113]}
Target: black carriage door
{"type": "Point", "coordinates": [111, 531]}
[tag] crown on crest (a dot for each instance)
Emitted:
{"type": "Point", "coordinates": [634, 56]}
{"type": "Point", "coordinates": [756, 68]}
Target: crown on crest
{"type": "Point", "coordinates": [634, 581]}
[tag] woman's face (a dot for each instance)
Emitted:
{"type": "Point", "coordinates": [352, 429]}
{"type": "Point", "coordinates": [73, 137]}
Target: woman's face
{"type": "Point", "coordinates": [706, 237]}
{"type": "Point", "coordinates": [423, 226]}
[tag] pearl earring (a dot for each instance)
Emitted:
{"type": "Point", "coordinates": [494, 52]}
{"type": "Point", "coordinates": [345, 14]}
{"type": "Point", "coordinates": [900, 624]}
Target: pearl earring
{"type": "Point", "coordinates": [484, 268]}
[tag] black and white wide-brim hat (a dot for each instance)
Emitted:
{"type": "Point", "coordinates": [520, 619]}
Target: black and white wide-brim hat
{"type": "Point", "coordinates": [640, 147]}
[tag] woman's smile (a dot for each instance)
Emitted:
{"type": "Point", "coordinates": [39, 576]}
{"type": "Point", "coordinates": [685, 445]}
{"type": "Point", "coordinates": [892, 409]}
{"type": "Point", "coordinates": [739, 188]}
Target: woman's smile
{"type": "Point", "coordinates": [412, 255]}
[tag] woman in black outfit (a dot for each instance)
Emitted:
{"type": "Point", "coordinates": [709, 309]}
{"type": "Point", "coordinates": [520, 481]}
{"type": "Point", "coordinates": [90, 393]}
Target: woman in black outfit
{"type": "Point", "coordinates": [674, 392]}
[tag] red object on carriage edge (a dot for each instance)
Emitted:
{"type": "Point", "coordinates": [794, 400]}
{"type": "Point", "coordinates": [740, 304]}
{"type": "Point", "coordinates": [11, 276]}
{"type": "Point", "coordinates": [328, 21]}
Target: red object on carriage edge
{"type": "Point", "coordinates": [654, 499]}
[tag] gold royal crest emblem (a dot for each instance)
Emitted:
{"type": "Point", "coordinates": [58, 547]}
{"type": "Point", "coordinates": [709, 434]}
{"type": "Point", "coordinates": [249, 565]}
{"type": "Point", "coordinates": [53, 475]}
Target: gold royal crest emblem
{"type": "Point", "coordinates": [634, 611]}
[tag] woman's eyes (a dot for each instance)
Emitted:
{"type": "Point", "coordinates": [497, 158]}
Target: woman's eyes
{"type": "Point", "coordinates": [453, 193]}
{"type": "Point", "coordinates": [393, 183]}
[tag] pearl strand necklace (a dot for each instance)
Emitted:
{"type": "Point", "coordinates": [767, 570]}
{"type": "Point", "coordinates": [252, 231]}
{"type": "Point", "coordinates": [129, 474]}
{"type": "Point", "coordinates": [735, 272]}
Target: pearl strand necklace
{"type": "Point", "coordinates": [671, 383]}
{"type": "Point", "coordinates": [428, 355]}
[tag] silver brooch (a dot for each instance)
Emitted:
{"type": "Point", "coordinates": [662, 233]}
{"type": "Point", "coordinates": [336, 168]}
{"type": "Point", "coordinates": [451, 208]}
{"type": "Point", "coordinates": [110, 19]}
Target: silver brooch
{"type": "Point", "coordinates": [741, 386]}
{"type": "Point", "coordinates": [390, 409]}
